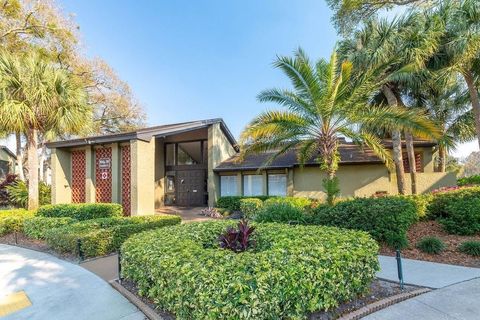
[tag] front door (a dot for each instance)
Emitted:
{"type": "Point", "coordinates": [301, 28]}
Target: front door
{"type": "Point", "coordinates": [190, 187]}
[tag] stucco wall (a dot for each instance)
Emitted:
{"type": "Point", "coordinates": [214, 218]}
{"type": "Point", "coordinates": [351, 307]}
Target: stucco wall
{"type": "Point", "coordinates": [159, 173]}
{"type": "Point", "coordinates": [219, 149]}
{"type": "Point", "coordinates": [143, 177]}
{"type": "Point", "coordinates": [61, 176]}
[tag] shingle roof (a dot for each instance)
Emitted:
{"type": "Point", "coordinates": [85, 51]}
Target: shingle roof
{"type": "Point", "coordinates": [146, 133]}
{"type": "Point", "coordinates": [349, 154]}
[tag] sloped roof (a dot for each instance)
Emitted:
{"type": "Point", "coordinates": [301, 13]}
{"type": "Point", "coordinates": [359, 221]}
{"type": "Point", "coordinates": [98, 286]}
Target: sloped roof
{"type": "Point", "coordinates": [7, 150]}
{"type": "Point", "coordinates": [349, 153]}
{"type": "Point", "coordinates": [146, 134]}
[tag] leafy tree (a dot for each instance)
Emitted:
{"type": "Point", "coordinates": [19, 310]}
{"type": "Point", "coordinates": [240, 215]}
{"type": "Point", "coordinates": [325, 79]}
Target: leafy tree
{"type": "Point", "coordinates": [328, 101]}
{"type": "Point", "coordinates": [471, 165]}
{"type": "Point", "coordinates": [38, 97]}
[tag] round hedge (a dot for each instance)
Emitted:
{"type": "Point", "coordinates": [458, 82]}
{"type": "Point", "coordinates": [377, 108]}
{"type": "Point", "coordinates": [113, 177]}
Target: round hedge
{"type": "Point", "coordinates": [292, 271]}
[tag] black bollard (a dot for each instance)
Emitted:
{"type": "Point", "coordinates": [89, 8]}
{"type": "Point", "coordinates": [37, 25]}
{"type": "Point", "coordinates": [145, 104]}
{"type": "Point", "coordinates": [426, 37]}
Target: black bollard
{"type": "Point", "coordinates": [79, 249]}
{"type": "Point", "coordinates": [399, 268]}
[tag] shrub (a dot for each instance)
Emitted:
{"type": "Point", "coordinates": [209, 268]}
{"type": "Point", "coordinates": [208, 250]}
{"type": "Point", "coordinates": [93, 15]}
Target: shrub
{"type": "Point", "coordinates": [432, 245]}
{"type": "Point", "coordinates": [297, 202]}
{"type": "Point", "coordinates": [250, 207]}
{"type": "Point", "coordinates": [37, 227]}
{"type": "Point", "coordinates": [18, 193]}
{"type": "Point", "coordinates": [13, 220]}
{"type": "Point", "coordinates": [438, 206]}
{"type": "Point", "coordinates": [462, 217]}
{"type": "Point", "coordinates": [386, 219]}
{"type": "Point", "coordinates": [472, 180]}
{"type": "Point", "coordinates": [104, 235]}
{"type": "Point", "coordinates": [237, 240]}
{"type": "Point", "coordinates": [292, 271]}
{"type": "Point", "coordinates": [422, 202]}
{"type": "Point", "coordinates": [279, 211]}
{"type": "Point", "coordinates": [470, 247]}
{"type": "Point", "coordinates": [233, 202]}
{"type": "Point", "coordinates": [82, 211]}
{"type": "Point", "coordinates": [4, 195]}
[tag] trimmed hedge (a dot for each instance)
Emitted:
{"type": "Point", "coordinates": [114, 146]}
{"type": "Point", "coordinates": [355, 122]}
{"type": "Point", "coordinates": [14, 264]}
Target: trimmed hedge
{"type": "Point", "coordinates": [291, 272]}
{"type": "Point", "coordinates": [441, 200]}
{"type": "Point", "coordinates": [463, 217]}
{"type": "Point", "coordinates": [82, 211]}
{"type": "Point", "coordinates": [250, 207]}
{"type": "Point", "coordinates": [104, 235]}
{"type": "Point", "coordinates": [233, 202]}
{"type": "Point", "coordinates": [13, 220]}
{"type": "Point", "coordinates": [282, 211]}
{"type": "Point", "coordinates": [387, 219]}
{"type": "Point", "coordinates": [37, 227]}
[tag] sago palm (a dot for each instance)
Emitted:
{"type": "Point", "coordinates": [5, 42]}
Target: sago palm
{"type": "Point", "coordinates": [38, 97]}
{"type": "Point", "coordinates": [327, 102]}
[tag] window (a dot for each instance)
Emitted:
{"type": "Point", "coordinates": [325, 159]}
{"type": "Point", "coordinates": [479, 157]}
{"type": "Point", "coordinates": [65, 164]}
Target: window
{"type": "Point", "coordinates": [252, 185]}
{"type": "Point", "coordinates": [277, 185]}
{"type": "Point", "coordinates": [189, 153]}
{"type": "Point", "coordinates": [170, 157]}
{"type": "Point", "coordinates": [170, 184]}
{"type": "Point", "coordinates": [228, 186]}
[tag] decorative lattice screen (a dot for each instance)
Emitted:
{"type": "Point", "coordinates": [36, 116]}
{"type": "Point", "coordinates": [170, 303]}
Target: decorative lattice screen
{"type": "Point", "coordinates": [78, 176]}
{"type": "Point", "coordinates": [103, 175]}
{"type": "Point", "coordinates": [126, 180]}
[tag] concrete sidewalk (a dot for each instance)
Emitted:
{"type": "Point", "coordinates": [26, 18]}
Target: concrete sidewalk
{"type": "Point", "coordinates": [457, 302]}
{"type": "Point", "coordinates": [59, 289]}
{"type": "Point", "coordinates": [426, 274]}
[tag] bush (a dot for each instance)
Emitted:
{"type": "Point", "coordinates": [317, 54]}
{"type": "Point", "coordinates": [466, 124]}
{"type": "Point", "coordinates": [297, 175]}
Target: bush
{"type": "Point", "coordinates": [4, 195]}
{"type": "Point", "coordinates": [13, 220]}
{"type": "Point", "coordinates": [82, 211]}
{"type": "Point", "coordinates": [431, 245]}
{"type": "Point", "coordinates": [462, 217]}
{"type": "Point", "coordinates": [279, 211]}
{"type": "Point", "coordinates": [104, 235]}
{"type": "Point", "coordinates": [471, 248]}
{"type": "Point", "coordinates": [250, 207]}
{"type": "Point", "coordinates": [441, 200]}
{"type": "Point", "coordinates": [387, 219]}
{"type": "Point", "coordinates": [472, 180]}
{"type": "Point", "coordinates": [18, 193]}
{"type": "Point", "coordinates": [292, 270]}
{"type": "Point", "coordinates": [37, 227]}
{"type": "Point", "coordinates": [233, 202]}
{"type": "Point", "coordinates": [422, 202]}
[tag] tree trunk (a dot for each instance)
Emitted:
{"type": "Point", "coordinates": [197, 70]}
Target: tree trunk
{"type": "Point", "coordinates": [472, 89]}
{"type": "Point", "coordinates": [33, 196]}
{"type": "Point", "coordinates": [411, 161]}
{"type": "Point", "coordinates": [442, 159]}
{"type": "Point", "coordinates": [397, 143]}
{"type": "Point", "coordinates": [19, 154]}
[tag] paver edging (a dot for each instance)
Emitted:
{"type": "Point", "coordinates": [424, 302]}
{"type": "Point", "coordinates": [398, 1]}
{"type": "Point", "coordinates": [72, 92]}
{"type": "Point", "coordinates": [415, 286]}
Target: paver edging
{"type": "Point", "coordinates": [142, 306]}
{"type": "Point", "coordinates": [382, 304]}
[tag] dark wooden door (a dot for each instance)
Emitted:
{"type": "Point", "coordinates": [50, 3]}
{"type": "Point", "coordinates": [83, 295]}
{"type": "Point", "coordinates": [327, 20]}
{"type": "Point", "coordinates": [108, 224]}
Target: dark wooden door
{"type": "Point", "coordinates": [190, 188]}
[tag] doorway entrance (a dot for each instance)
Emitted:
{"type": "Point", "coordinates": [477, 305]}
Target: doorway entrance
{"type": "Point", "coordinates": [190, 188]}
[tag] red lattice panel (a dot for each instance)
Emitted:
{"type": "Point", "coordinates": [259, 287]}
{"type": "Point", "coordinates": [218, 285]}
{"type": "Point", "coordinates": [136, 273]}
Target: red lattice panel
{"type": "Point", "coordinates": [79, 171]}
{"type": "Point", "coordinates": [103, 176]}
{"type": "Point", "coordinates": [126, 180]}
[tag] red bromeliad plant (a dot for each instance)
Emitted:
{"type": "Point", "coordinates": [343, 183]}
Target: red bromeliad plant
{"type": "Point", "coordinates": [237, 240]}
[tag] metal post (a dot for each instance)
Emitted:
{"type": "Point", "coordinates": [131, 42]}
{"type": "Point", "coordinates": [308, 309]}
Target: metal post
{"type": "Point", "coordinates": [119, 266]}
{"type": "Point", "coordinates": [79, 249]}
{"type": "Point", "coordinates": [399, 268]}
{"type": "Point", "coordinates": [16, 237]}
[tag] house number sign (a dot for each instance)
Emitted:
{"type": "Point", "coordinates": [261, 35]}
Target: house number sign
{"type": "Point", "coordinates": [104, 163]}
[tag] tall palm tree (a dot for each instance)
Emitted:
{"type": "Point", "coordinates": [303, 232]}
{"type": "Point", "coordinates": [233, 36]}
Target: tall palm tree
{"type": "Point", "coordinates": [327, 102]}
{"type": "Point", "coordinates": [38, 97]}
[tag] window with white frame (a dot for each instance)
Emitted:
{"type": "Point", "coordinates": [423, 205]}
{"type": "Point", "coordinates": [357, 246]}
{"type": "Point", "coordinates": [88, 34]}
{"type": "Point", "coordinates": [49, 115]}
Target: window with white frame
{"type": "Point", "coordinates": [252, 185]}
{"type": "Point", "coordinates": [228, 186]}
{"type": "Point", "coordinates": [277, 184]}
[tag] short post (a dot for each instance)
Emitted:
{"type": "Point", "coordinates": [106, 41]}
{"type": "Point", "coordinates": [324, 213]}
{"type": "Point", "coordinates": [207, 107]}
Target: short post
{"type": "Point", "coordinates": [399, 267]}
{"type": "Point", "coordinates": [119, 255]}
{"type": "Point", "coordinates": [79, 249]}
{"type": "Point", "coordinates": [16, 237]}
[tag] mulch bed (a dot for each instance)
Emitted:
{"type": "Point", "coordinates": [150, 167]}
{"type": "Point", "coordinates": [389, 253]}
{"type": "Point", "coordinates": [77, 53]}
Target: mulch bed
{"type": "Point", "coordinates": [38, 245]}
{"type": "Point", "coordinates": [379, 289]}
{"type": "Point", "coordinates": [450, 255]}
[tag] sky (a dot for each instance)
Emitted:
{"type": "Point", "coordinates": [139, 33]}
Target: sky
{"type": "Point", "coordinates": [190, 60]}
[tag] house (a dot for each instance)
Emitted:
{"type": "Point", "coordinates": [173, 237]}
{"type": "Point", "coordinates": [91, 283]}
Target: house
{"type": "Point", "coordinates": [7, 162]}
{"type": "Point", "coordinates": [194, 163]}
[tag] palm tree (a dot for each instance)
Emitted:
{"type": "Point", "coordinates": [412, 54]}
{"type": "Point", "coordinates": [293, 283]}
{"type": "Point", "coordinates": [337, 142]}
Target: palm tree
{"type": "Point", "coordinates": [328, 102]}
{"type": "Point", "coordinates": [38, 97]}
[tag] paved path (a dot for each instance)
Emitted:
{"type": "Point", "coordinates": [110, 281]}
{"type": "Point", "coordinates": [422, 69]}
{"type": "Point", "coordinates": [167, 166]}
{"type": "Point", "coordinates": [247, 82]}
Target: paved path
{"type": "Point", "coordinates": [426, 274]}
{"type": "Point", "coordinates": [460, 301]}
{"type": "Point", "coordinates": [58, 289]}
{"type": "Point", "coordinates": [186, 213]}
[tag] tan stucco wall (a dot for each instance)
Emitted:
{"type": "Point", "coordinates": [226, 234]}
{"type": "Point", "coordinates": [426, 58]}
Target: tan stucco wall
{"type": "Point", "coordinates": [143, 177]}
{"type": "Point", "coordinates": [61, 176]}
{"type": "Point", "coordinates": [90, 175]}
{"type": "Point", "coordinates": [219, 149]}
{"type": "Point", "coordinates": [159, 173]}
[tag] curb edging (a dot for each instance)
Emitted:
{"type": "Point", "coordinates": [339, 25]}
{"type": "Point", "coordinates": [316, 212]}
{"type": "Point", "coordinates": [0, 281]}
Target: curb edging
{"type": "Point", "coordinates": [382, 304]}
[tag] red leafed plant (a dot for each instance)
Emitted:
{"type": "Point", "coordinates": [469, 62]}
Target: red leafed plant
{"type": "Point", "coordinates": [238, 239]}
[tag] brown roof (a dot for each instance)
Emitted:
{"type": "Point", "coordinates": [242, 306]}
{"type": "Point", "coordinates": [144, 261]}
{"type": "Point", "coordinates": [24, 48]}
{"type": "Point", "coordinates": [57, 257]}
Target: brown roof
{"type": "Point", "coordinates": [350, 153]}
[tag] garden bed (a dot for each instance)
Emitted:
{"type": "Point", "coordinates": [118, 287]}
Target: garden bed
{"type": "Point", "coordinates": [450, 255]}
